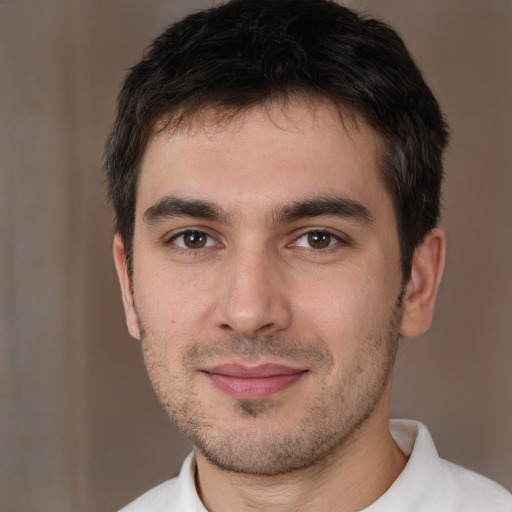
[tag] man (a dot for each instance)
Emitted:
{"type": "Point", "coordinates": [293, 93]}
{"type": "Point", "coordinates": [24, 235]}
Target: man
{"type": "Point", "coordinates": [275, 169]}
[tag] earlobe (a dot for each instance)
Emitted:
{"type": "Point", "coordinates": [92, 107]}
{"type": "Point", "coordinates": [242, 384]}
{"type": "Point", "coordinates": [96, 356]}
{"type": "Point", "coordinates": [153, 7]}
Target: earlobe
{"type": "Point", "coordinates": [125, 282]}
{"type": "Point", "coordinates": [421, 290]}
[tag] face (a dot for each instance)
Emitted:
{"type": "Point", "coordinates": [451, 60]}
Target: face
{"type": "Point", "coordinates": [266, 285]}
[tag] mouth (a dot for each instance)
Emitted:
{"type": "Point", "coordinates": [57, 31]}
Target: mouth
{"type": "Point", "coordinates": [253, 382]}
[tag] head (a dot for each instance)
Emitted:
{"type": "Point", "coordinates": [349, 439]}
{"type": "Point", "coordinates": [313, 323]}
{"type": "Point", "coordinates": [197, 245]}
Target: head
{"type": "Point", "coordinates": [246, 53]}
{"type": "Point", "coordinates": [275, 169]}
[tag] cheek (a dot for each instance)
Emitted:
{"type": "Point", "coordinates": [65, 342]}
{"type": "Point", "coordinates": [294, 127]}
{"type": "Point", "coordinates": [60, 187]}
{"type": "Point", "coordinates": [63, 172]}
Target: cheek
{"type": "Point", "coordinates": [344, 312]}
{"type": "Point", "coordinates": [171, 304]}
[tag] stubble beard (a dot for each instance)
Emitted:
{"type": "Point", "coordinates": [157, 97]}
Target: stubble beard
{"type": "Point", "coordinates": [325, 424]}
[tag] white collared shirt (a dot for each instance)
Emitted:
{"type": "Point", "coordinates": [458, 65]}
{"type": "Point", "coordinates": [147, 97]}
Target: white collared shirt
{"type": "Point", "coordinates": [427, 483]}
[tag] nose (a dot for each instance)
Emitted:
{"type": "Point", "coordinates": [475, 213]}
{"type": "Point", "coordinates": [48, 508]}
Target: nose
{"type": "Point", "coordinates": [252, 296]}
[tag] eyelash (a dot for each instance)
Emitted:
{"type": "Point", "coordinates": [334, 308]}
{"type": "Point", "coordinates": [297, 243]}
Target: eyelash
{"type": "Point", "coordinates": [191, 232]}
{"type": "Point", "coordinates": [333, 241]}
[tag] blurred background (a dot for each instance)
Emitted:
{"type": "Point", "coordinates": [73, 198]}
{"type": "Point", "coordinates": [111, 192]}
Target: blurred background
{"type": "Point", "coordinates": [80, 429]}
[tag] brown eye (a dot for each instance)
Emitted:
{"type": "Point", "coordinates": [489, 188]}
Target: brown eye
{"type": "Point", "coordinates": [192, 239]}
{"type": "Point", "coordinates": [319, 239]}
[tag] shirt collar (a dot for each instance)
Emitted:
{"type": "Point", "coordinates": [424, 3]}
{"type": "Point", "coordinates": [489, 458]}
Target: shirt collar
{"type": "Point", "coordinates": [414, 489]}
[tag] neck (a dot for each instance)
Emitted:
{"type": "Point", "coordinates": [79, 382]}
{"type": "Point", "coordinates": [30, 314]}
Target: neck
{"type": "Point", "coordinates": [350, 479]}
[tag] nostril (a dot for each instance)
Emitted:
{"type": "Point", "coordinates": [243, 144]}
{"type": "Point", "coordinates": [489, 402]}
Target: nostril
{"type": "Point", "coordinates": [265, 328]}
{"type": "Point", "coordinates": [249, 330]}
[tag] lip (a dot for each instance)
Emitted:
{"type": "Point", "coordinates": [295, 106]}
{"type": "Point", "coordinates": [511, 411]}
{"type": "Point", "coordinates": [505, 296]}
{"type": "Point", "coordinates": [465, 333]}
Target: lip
{"type": "Point", "coordinates": [253, 382]}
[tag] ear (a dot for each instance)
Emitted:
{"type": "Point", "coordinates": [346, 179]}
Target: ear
{"type": "Point", "coordinates": [421, 290]}
{"type": "Point", "coordinates": [125, 281]}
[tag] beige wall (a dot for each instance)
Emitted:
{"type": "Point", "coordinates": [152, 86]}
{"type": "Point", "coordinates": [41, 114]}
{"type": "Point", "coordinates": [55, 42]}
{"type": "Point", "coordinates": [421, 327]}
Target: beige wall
{"type": "Point", "coordinates": [80, 429]}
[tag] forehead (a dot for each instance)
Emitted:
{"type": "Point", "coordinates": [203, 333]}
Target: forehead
{"type": "Point", "coordinates": [263, 156]}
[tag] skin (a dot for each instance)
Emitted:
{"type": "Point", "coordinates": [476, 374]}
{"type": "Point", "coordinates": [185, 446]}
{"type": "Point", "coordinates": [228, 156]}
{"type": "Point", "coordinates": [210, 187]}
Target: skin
{"type": "Point", "coordinates": [227, 269]}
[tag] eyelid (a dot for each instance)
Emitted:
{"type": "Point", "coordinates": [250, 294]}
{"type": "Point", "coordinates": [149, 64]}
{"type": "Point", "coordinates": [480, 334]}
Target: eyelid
{"type": "Point", "coordinates": [170, 238]}
{"type": "Point", "coordinates": [340, 238]}
{"type": "Point", "coordinates": [333, 240]}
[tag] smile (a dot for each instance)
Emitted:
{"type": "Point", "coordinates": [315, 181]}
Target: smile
{"type": "Point", "coordinates": [253, 383]}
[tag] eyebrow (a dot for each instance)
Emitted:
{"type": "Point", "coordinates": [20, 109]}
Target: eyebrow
{"type": "Point", "coordinates": [324, 205]}
{"type": "Point", "coordinates": [169, 206]}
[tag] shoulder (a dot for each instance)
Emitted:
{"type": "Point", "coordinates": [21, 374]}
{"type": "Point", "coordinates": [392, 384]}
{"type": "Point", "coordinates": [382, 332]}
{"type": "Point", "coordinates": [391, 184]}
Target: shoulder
{"type": "Point", "coordinates": [473, 492]}
{"type": "Point", "coordinates": [429, 483]}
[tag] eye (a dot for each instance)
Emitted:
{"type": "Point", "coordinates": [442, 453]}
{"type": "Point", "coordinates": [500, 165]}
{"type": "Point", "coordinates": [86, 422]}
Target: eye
{"type": "Point", "coordinates": [192, 239]}
{"type": "Point", "coordinates": [317, 239]}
